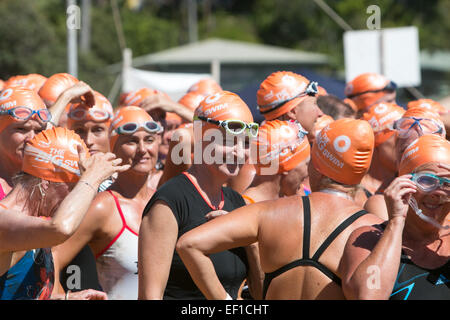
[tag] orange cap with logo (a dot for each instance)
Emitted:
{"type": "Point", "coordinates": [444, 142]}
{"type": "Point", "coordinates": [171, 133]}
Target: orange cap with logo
{"type": "Point", "coordinates": [32, 81]}
{"type": "Point", "coordinates": [125, 115]}
{"type": "Point", "coordinates": [134, 98]}
{"type": "Point", "coordinates": [321, 123]}
{"type": "Point", "coordinates": [192, 99]}
{"type": "Point", "coordinates": [102, 108]}
{"type": "Point", "coordinates": [224, 105]}
{"type": "Point", "coordinates": [282, 143]}
{"type": "Point", "coordinates": [428, 104]}
{"type": "Point", "coordinates": [425, 149]}
{"type": "Point", "coordinates": [52, 155]}
{"type": "Point", "coordinates": [343, 150]}
{"type": "Point", "coordinates": [278, 87]}
{"type": "Point", "coordinates": [16, 96]}
{"type": "Point", "coordinates": [361, 88]}
{"type": "Point", "coordinates": [381, 116]}
{"type": "Point", "coordinates": [205, 86]}
{"type": "Point", "coordinates": [55, 85]}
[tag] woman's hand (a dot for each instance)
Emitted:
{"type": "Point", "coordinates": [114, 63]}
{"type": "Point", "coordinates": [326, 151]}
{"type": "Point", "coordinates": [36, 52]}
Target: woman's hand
{"type": "Point", "coordinates": [78, 91]}
{"type": "Point", "coordinates": [214, 214]}
{"type": "Point", "coordinates": [99, 167]}
{"type": "Point", "coordinates": [88, 294]}
{"type": "Point", "coordinates": [397, 196]}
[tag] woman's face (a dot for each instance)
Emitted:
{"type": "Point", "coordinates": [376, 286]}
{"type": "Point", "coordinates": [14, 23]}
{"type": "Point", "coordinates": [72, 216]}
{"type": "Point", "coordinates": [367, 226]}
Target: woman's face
{"type": "Point", "coordinates": [94, 134]}
{"type": "Point", "coordinates": [139, 149]}
{"type": "Point", "coordinates": [292, 180]}
{"type": "Point", "coordinates": [435, 204]}
{"type": "Point", "coordinates": [225, 152]}
{"type": "Point", "coordinates": [14, 138]}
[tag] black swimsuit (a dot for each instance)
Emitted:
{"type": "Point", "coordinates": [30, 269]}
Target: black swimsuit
{"type": "Point", "coordinates": [314, 261]}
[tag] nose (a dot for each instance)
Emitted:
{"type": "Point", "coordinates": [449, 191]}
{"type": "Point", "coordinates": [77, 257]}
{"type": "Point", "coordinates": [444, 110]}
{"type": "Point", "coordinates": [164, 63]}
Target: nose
{"type": "Point", "coordinates": [89, 139]}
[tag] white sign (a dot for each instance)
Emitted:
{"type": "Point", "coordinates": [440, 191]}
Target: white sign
{"type": "Point", "coordinates": [175, 85]}
{"type": "Point", "coordinates": [392, 52]}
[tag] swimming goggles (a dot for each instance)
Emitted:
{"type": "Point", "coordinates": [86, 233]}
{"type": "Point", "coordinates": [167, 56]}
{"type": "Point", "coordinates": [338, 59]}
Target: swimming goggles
{"type": "Point", "coordinates": [132, 127]}
{"type": "Point", "coordinates": [235, 127]}
{"type": "Point", "coordinates": [25, 113]}
{"type": "Point", "coordinates": [428, 182]}
{"type": "Point", "coordinates": [80, 114]}
{"type": "Point", "coordinates": [311, 90]}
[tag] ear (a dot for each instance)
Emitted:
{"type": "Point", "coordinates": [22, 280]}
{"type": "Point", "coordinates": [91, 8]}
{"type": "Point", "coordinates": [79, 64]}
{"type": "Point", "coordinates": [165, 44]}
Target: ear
{"type": "Point", "coordinates": [291, 115]}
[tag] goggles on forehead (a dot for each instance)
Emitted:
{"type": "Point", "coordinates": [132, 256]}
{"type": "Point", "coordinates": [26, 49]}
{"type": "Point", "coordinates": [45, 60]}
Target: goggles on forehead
{"type": "Point", "coordinates": [25, 113]}
{"type": "Point", "coordinates": [311, 90]}
{"type": "Point", "coordinates": [426, 126]}
{"type": "Point", "coordinates": [235, 127]}
{"type": "Point", "coordinates": [132, 127]}
{"type": "Point", "coordinates": [80, 114]}
{"type": "Point", "coordinates": [390, 87]}
{"type": "Point", "coordinates": [428, 182]}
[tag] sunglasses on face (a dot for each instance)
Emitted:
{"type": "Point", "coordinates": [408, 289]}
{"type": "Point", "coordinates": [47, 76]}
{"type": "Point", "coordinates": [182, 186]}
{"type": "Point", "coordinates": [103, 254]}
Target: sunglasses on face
{"type": "Point", "coordinates": [428, 182]}
{"type": "Point", "coordinates": [426, 126]}
{"type": "Point", "coordinates": [311, 90]}
{"type": "Point", "coordinates": [80, 114]}
{"type": "Point", "coordinates": [235, 127]}
{"type": "Point", "coordinates": [25, 113]}
{"type": "Point", "coordinates": [132, 127]}
{"type": "Point", "coordinates": [390, 87]}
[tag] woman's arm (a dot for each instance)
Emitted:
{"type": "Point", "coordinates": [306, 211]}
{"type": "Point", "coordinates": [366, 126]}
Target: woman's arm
{"type": "Point", "coordinates": [23, 232]}
{"type": "Point", "coordinates": [72, 94]}
{"type": "Point", "coordinates": [156, 103]}
{"type": "Point", "coordinates": [158, 235]}
{"type": "Point", "coordinates": [371, 258]}
{"type": "Point", "coordinates": [238, 228]}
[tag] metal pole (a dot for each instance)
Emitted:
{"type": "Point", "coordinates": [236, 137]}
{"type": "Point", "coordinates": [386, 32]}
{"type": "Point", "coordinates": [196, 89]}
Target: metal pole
{"type": "Point", "coordinates": [85, 37]}
{"type": "Point", "coordinates": [192, 20]}
{"type": "Point", "coordinates": [72, 55]}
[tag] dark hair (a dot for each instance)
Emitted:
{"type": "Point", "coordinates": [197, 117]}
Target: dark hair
{"type": "Point", "coordinates": [335, 107]}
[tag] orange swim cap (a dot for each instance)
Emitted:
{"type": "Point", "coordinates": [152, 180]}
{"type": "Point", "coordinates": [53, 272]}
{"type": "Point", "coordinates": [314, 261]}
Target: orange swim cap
{"type": "Point", "coordinates": [52, 155]}
{"type": "Point", "coordinates": [321, 123]}
{"type": "Point", "coordinates": [368, 88]}
{"type": "Point", "coordinates": [205, 86]}
{"type": "Point", "coordinates": [321, 91]}
{"type": "Point", "coordinates": [224, 105]}
{"type": "Point", "coordinates": [425, 149]}
{"type": "Point", "coordinates": [55, 85]}
{"type": "Point", "coordinates": [279, 87]}
{"type": "Point", "coordinates": [192, 99]}
{"type": "Point", "coordinates": [428, 104]}
{"type": "Point", "coordinates": [16, 96]}
{"type": "Point", "coordinates": [283, 142]}
{"type": "Point", "coordinates": [351, 104]}
{"type": "Point", "coordinates": [381, 116]}
{"type": "Point", "coordinates": [102, 111]}
{"type": "Point", "coordinates": [343, 150]}
{"type": "Point", "coordinates": [134, 98]}
{"type": "Point", "coordinates": [32, 81]}
{"type": "Point", "coordinates": [128, 114]}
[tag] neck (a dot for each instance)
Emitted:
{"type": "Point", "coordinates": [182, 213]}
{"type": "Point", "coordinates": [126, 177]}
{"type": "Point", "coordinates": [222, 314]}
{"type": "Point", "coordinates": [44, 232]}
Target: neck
{"type": "Point", "coordinates": [14, 201]}
{"type": "Point", "coordinates": [268, 186]}
{"type": "Point", "coordinates": [377, 175]}
{"type": "Point", "coordinates": [131, 185]}
{"type": "Point", "coordinates": [336, 192]}
{"type": "Point", "coordinates": [209, 184]}
{"type": "Point", "coordinates": [7, 170]}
